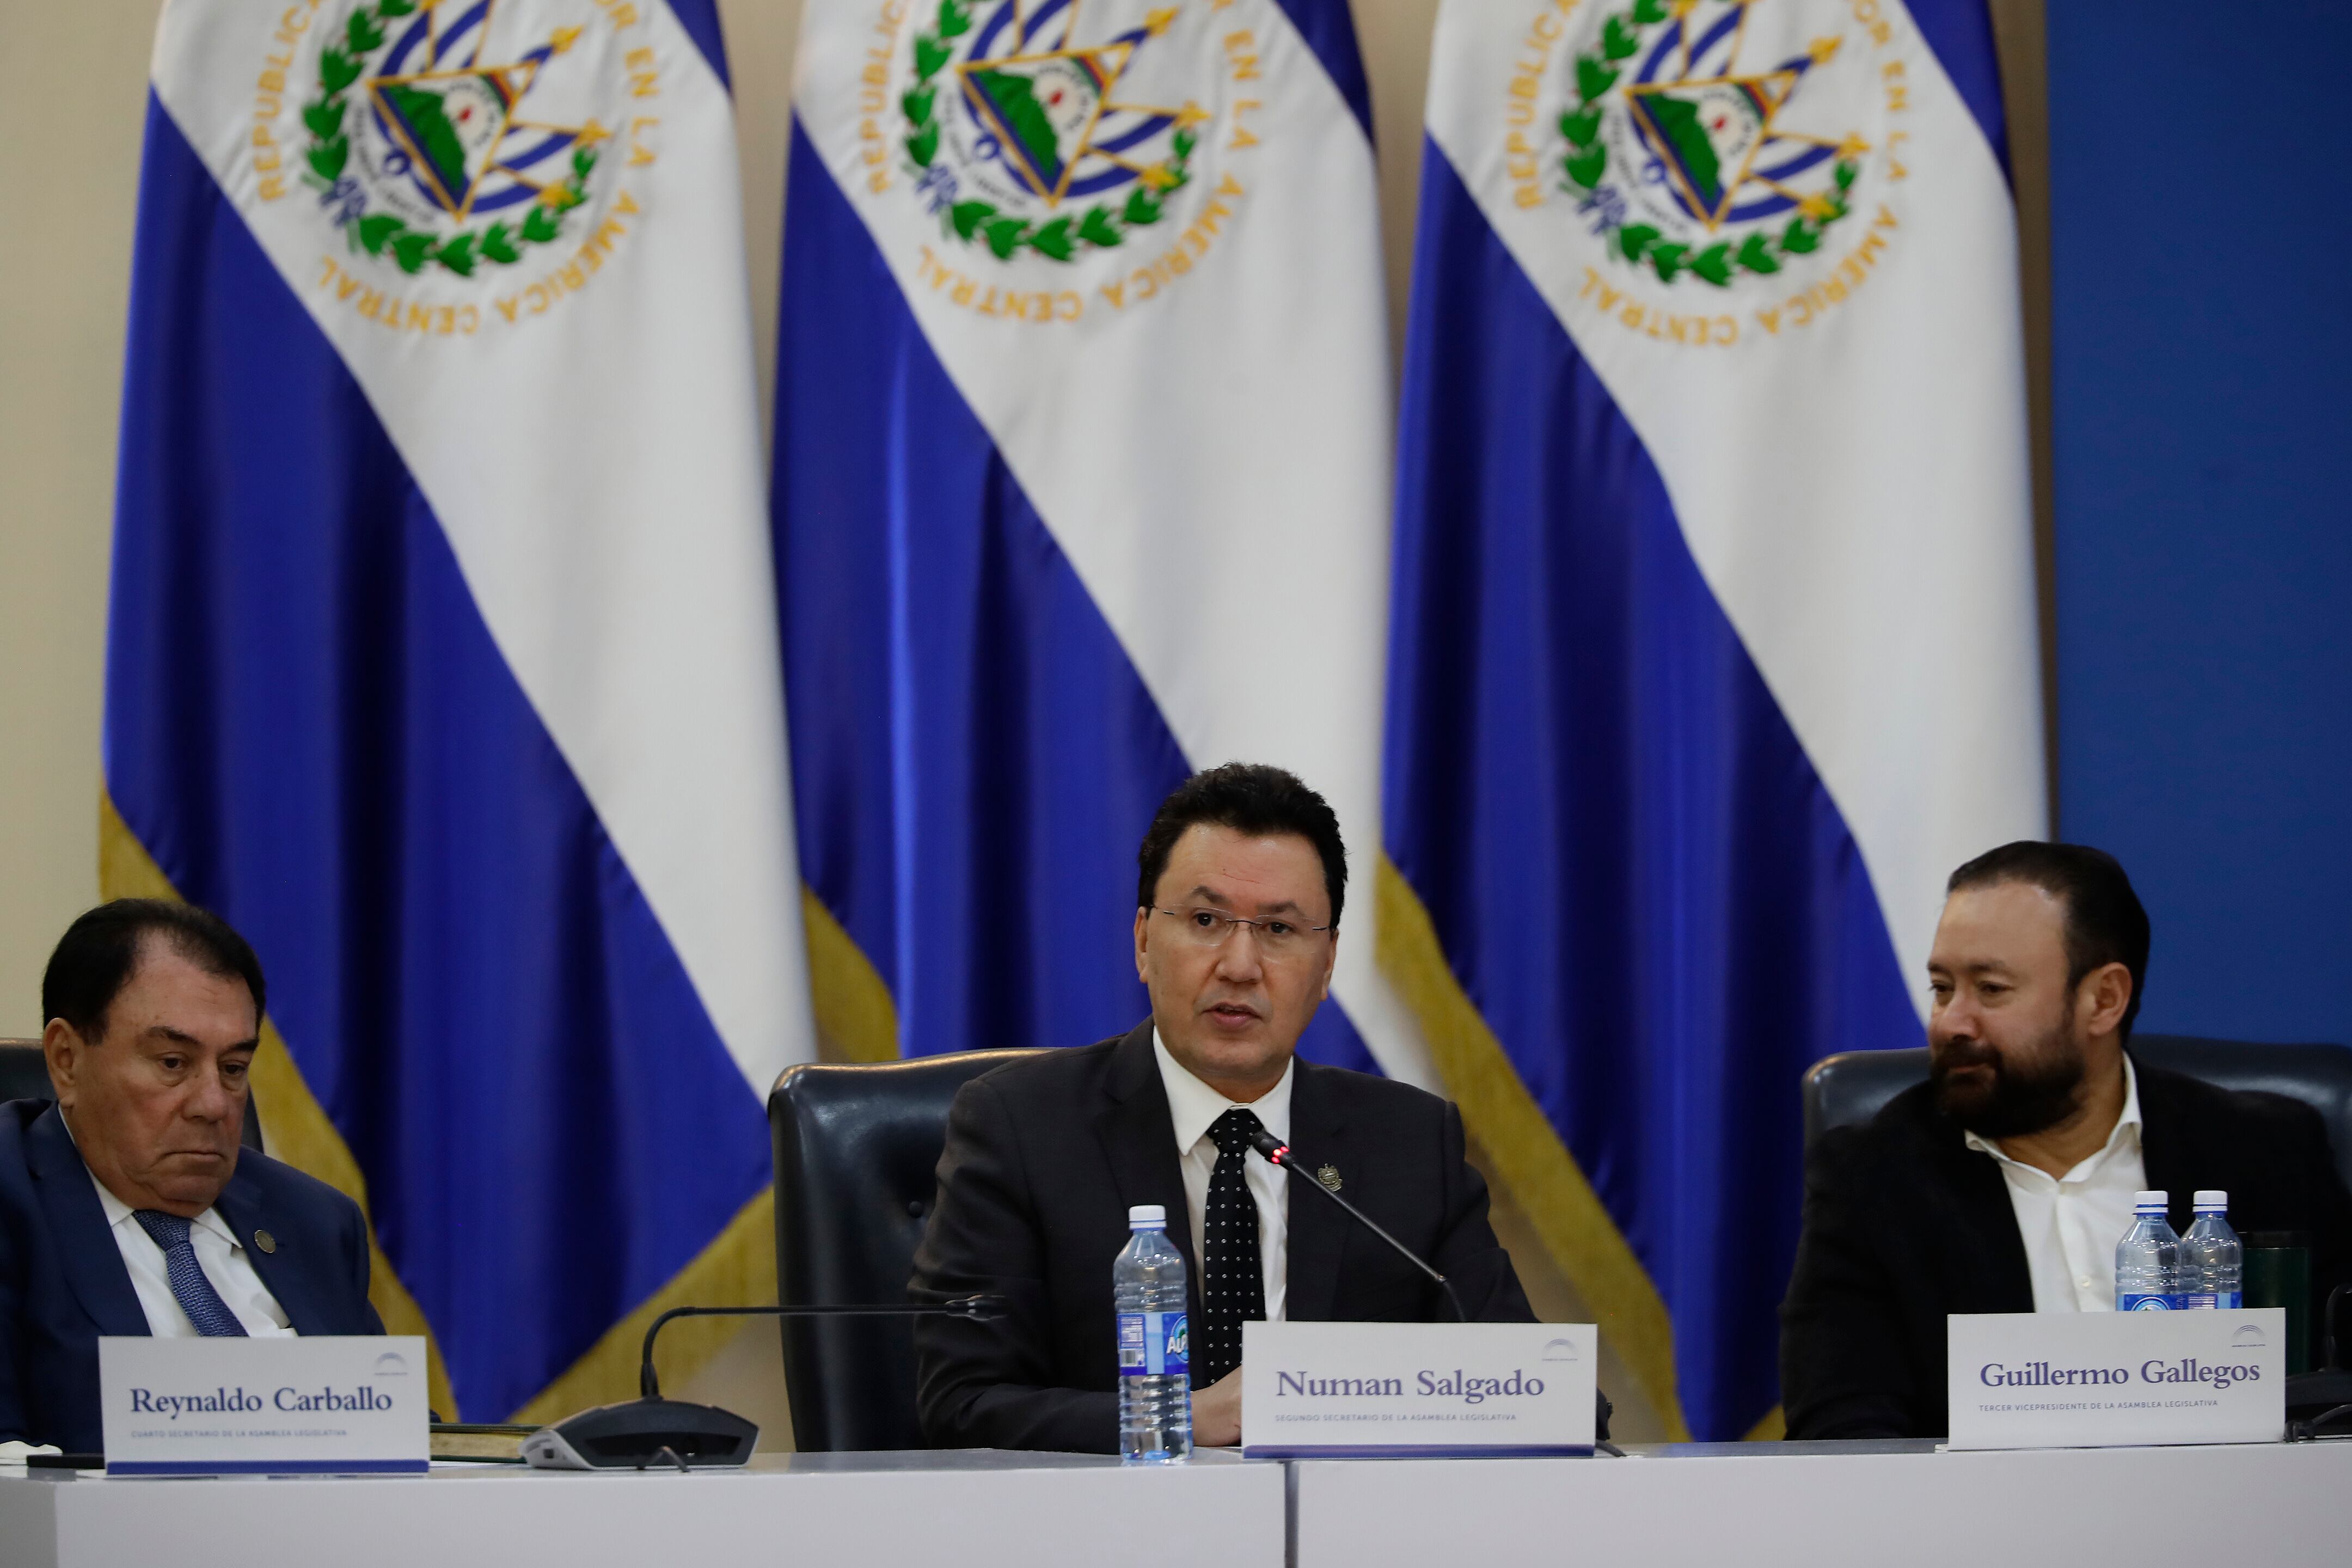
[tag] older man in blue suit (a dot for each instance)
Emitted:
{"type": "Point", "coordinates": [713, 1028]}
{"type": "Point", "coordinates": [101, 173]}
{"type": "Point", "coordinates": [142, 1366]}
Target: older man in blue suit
{"type": "Point", "coordinates": [127, 1207]}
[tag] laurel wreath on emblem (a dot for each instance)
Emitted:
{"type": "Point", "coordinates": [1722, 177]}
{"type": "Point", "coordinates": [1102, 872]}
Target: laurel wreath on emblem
{"type": "Point", "coordinates": [327, 118]}
{"type": "Point", "coordinates": [1760, 253]}
{"type": "Point", "coordinates": [1100, 228]}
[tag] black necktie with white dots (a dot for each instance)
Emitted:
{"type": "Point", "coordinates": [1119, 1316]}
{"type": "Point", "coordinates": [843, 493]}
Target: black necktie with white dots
{"type": "Point", "coordinates": [1233, 1281]}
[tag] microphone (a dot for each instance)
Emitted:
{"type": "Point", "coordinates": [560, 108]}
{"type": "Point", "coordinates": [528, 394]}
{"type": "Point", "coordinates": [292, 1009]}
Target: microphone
{"type": "Point", "coordinates": [1278, 1153]}
{"type": "Point", "coordinates": [640, 1432]}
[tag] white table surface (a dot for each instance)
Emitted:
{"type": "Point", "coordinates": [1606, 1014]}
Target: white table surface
{"type": "Point", "coordinates": [1723, 1505]}
{"type": "Point", "coordinates": [938, 1509]}
{"type": "Point", "coordinates": [1741, 1505]}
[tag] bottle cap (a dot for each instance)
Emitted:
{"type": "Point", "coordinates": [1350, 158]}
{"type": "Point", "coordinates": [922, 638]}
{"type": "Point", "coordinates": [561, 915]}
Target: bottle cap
{"type": "Point", "coordinates": [2213, 1198]}
{"type": "Point", "coordinates": [1147, 1215]}
{"type": "Point", "coordinates": [2148, 1200]}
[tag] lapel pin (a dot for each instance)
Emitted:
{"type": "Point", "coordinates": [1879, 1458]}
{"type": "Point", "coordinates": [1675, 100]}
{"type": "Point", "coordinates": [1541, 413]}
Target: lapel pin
{"type": "Point", "coordinates": [264, 1240]}
{"type": "Point", "coordinates": [1329, 1176]}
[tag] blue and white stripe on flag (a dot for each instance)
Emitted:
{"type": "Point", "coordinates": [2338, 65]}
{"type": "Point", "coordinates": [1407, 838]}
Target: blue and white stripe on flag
{"type": "Point", "coordinates": [1081, 482]}
{"type": "Point", "coordinates": [1715, 641]}
{"type": "Point", "coordinates": [442, 652]}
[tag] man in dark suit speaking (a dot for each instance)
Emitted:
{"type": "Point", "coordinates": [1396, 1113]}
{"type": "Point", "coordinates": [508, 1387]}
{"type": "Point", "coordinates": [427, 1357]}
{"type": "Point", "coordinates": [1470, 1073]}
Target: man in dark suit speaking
{"type": "Point", "coordinates": [2003, 1182]}
{"type": "Point", "coordinates": [1243, 876]}
{"type": "Point", "coordinates": [127, 1207]}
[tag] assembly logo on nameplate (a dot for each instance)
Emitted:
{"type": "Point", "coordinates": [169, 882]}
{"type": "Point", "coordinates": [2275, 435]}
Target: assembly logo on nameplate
{"type": "Point", "coordinates": [467, 166]}
{"type": "Point", "coordinates": [1708, 159]}
{"type": "Point", "coordinates": [1074, 157]}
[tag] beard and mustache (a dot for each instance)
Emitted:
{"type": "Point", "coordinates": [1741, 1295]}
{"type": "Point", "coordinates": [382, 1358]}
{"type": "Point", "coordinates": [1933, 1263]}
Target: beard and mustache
{"type": "Point", "coordinates": [2032, 1090]}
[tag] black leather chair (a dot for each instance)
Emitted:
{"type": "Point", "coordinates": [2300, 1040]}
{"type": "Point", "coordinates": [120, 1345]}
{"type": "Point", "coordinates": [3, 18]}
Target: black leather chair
{"type": "Point", "coordinates": [25, 1074]}
{"type": "Point", "coordinates": [857, 1152]}
{"type": "Point", "coordinates": [1844, 1089]}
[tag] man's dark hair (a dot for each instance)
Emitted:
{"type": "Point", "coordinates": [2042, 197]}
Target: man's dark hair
{"type": "Point", "coordinates": [97, 956]}
{"type": "Point", "coordinates": [2104, 921]}
{"type": "Point", "coordinates": [1251, 799]}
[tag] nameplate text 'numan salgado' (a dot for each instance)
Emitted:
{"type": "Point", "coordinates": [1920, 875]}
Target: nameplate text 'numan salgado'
{"type": "Point", "coordinates": [1310, 1390]}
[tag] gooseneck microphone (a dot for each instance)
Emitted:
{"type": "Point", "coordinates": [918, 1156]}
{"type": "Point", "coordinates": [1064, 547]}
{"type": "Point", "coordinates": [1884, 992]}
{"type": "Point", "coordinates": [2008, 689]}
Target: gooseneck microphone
{"type": "Point", "coordinates": [636, 1433]}
{"type": "Point", "coordinates": [1278, 1153]}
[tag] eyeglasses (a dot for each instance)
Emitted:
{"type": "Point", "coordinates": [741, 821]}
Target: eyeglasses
{"type": "Point", "coordinates": [1209, 927]}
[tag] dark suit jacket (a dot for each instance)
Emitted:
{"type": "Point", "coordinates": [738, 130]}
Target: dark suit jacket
{"type": "Point", "coordinates": [1044, 1159]}
{"type": "Point", "coordinates": [62, 1282]}
{"type": "Point", "coordinates": [1905, 1223]}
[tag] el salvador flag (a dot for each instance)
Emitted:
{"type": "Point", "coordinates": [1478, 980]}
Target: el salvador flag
{"type": "Point", "coordinates": [442, 652]}
{"type": "Point", "coordinates": [1081, 462]}
{"type": "Point", "coordinates": [1714, 648]}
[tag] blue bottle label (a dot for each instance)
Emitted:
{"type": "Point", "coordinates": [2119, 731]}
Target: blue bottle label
{"type": "Point", "coordinates": [2225, 1301]}
{"type": "Point", "coordinates": [2149, 1303]}
{"type": "Point", "coordinates": [1154, 1344]}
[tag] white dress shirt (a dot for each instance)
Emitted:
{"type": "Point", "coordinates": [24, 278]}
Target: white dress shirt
{"type": "Point", "coordinates": [2070, 1224]}
{"type": "Point", "coordinates": [218, 1254]}
{"type": "Point", "coordinates": [1193, 1106]}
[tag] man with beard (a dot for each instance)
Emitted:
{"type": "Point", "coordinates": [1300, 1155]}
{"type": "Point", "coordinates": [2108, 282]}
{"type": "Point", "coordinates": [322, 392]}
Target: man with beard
{"type": "Point", "coordinates": [2003, 1182]}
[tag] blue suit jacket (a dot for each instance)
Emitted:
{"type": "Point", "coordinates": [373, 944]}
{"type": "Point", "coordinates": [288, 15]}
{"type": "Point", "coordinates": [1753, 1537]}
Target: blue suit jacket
{"type": "Point", "coordinates": [62, 1282]}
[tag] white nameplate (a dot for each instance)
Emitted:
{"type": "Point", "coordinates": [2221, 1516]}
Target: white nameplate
{"type": "Point", "coordinates": [1319, 1389]}
{"type": "Point", "coordinates": [332, 1405]}
{"type": "Point", "coordinates": [2101, 1380]}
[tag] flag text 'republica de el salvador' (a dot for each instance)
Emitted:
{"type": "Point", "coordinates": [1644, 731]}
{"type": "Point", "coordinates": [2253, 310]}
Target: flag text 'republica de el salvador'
{"type": "Point", "coordinates": [443, 655]}
{"type": "Point", "coordinates": [1715, 641]}
{"type": "Point", "coordinates": [1081, 480]}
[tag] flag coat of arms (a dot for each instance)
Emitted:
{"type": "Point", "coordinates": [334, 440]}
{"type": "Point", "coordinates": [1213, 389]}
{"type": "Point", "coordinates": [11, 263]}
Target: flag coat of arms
{"type": "Point", "coordinates": [442, 650]}
{"type": "Point", "coordinates": [1714, 644]}
{"type": "Point", "coordinates": [1081, 482]}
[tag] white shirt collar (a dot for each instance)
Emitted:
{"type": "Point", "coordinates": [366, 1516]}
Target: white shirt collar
{"type": "Point", "coordinates": [1192, 1105]}
{"type": "Point", "coordinates": [2126, 1132]}
{"type": "Point", "coordinates": [119, 1213]}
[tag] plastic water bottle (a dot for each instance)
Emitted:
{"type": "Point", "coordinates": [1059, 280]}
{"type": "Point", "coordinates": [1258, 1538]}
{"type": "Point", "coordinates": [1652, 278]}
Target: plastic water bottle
{"type": "Point", "coordinates": [2211, 1262]}
{"type": "Point", "coordinates": [1155, 1363]}
{"type": "Point", "coordinates": [2147, 1259]}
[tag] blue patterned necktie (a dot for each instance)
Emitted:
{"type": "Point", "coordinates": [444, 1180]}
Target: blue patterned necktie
{"type": "Point", "coordinates": [195, 1293]}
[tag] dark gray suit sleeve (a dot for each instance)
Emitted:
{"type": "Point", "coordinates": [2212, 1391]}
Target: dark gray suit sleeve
{"type": "Point", "coordinates": [1845, 1368]}
{"type": "Point", "coordinates": [1467, 1254]}
{"type": "Point", "coordinates": [990, 1384]}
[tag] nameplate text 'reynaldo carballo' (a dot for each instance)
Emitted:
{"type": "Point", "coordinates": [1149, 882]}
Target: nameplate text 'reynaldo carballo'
{"type": "Point", "coordinates": [326, 1405]}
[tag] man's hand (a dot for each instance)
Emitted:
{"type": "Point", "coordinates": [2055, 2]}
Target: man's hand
{"type": "Point", "coordinates": [1217, 1413]}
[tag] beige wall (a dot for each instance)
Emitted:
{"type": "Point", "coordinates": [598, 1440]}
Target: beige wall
{"type": "Point", "coordinates": [73, 81]}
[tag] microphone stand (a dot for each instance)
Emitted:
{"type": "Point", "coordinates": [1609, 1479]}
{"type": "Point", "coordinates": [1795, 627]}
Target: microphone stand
{"type": "Point", "coordinates": [640, 1432]}
{"type": "Point", "coordinates": [1278, 1153]}
{"type": "Point", "coordinates": [975, 1308]}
